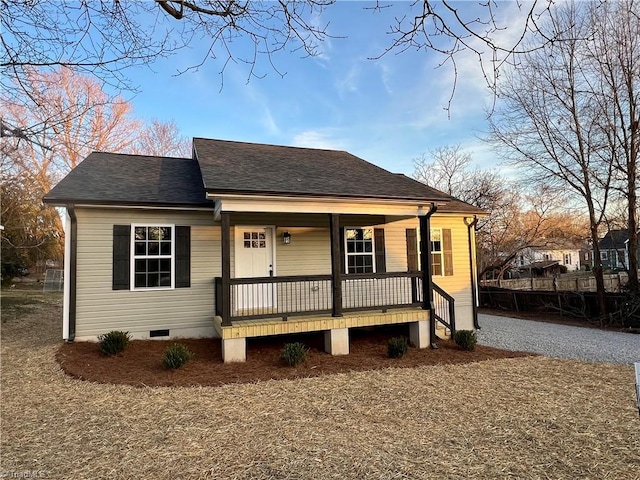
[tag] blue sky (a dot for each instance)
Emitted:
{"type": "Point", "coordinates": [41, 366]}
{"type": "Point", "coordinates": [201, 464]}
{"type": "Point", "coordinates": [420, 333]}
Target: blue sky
{"type": "Point", "coordinates": [387, 111]}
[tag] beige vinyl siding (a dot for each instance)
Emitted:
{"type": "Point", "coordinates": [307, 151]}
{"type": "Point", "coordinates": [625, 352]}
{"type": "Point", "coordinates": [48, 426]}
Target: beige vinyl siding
{"type": "Point", "coordinates": [459, 284]}
{"type": "Point", "coordinates": [184, 311]}
{"type": "Point", "coordinates": [395, 238]}
{"type": "Point", "coordinates": [309, 252]}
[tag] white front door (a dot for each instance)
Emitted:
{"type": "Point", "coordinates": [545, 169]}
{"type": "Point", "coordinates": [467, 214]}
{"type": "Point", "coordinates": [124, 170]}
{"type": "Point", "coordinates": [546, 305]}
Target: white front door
{"type": "Point", "coordinates": [254, 258]}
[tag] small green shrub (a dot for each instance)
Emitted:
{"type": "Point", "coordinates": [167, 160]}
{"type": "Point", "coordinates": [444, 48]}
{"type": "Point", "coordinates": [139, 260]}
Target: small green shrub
{"type": "Point", "coordinates": [114, 342]}
{"type": "Point", "coordinates": [176, 355]}
{"type": "Point", "coordinates": [466, 339]}
{"type": "Point", "coordinates": [396, 347]}
{"type": "Point", "coordinates": [294, 353]}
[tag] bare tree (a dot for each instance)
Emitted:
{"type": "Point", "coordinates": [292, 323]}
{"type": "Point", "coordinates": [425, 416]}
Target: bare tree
{"type": "Point", "coordinates": [450, 169]}
{"type": "Point", "coordinates": [32, 232]}
{"type": "Point", "coordinates": [516, 221]}
{"type": "Point", "coordinates": [549, 122]}
{"type": "Point", "coordinates": [71, 116]}
{"type": "Point", "coordinates": [162, 139]}
{"type": "Point", "coordinates": [105, 38]}
{"type": "Point", "coordinates": [451, 29]}
{"type": "Point", "coordinates": [614, 51]}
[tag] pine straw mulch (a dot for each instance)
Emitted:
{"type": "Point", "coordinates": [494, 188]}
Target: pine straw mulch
{"type": "Point", "coordinates": [530, 417]}
{"type": "Point", "coordinates": [141, 363]}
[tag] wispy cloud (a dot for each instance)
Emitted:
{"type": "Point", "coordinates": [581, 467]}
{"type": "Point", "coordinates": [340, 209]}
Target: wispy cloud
{"type": "Point", "coordinates": [386, 76]}
{"type": "Point", "coordinates": [318, 139]}
{"type": "Point", "coordinates": [350, 82]}
{"type": "Point", "coordinates": [324, 47]}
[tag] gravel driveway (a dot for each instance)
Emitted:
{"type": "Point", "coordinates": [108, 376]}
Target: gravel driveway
{"type": "Point", "coordinates": [555, 340]}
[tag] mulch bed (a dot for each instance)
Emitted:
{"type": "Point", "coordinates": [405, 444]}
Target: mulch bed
{"type": "Point", "coordinates": [141, 363]}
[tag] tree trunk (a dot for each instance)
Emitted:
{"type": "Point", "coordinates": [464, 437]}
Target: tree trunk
{"type": "Point", "coordinates": [632, 171]}
{"type": "Point", "coordinates": [598, 274]}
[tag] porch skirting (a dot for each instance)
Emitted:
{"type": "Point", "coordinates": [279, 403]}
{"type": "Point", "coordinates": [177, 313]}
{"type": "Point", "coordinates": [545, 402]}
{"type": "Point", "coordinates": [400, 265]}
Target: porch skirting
{"type": "Point", "coordinates": [233, 336]}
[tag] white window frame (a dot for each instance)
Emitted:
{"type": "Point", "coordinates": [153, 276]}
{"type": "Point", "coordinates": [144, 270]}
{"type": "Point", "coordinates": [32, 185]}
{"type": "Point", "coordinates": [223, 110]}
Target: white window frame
{"type": "Point", "coordinates": [135, 257]}
{"type": "Point", "coordinates": [347, 254]}
{"type": "Point", "coordinates": [441, 252]}
{"type": "Point", "coordinates": [604, 255]}
{"type": "Point", "coordinates": [567, 259]}
{"type": "Point", "coordinates": [437, 252]}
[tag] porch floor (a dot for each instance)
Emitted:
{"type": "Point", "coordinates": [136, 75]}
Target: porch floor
{"type": "Point", "coordinates": [313, 323]}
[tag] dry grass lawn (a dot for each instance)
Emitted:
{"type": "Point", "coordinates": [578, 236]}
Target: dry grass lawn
{"type": "Point", "coordinates": [527, 417]}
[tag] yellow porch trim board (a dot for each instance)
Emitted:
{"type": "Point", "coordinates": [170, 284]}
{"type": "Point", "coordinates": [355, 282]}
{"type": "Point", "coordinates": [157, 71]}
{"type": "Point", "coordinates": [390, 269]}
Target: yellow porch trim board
{"type": "Point", "coordinates": [314, 323]}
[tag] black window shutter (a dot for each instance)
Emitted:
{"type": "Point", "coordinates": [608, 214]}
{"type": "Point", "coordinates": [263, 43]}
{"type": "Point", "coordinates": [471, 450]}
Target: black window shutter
{"type": "Point", "coordinates": [121, 257]}
{"type": "Point", "coordinates": [183, 256]}
{"type": "Point", "coordinates": [412, 250]}
{"type": "Point", "coordinates": [343, 261]}
{"type": "Point", "coordinates": [447, 250]}
{"type": "Point", "coordinates": [378, 237]}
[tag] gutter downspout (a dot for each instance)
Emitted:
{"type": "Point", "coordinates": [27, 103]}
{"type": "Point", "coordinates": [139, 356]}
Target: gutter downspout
{"type": "Point", "coordinates": [472, 268]}
{"type": "Point", "coordinates": [427, 282]}
{"type": "Point", "coordinates": [71, 268]}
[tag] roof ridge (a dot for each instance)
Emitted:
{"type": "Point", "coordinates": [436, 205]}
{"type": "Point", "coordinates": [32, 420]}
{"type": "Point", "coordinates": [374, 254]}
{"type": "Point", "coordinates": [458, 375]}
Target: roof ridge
{"type": "Point", "coordinates": [273, 145]}
{"type": "Point", "coordinates": [101, 152]}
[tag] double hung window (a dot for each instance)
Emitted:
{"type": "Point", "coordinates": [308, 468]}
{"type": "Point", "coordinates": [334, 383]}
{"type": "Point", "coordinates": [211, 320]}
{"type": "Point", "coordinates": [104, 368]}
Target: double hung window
{"type": "Point", "coordinates": [436, 251]}
{"type": "Point", "coordinates": [359, 250]}
{"type": "Point", "coordinates": [153, 256]}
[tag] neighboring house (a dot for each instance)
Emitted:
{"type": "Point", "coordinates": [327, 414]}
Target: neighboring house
{"type": "Point", "coordinates": [247, 240]}
{"type": "Point", "coordinates": [613, 250]}
{"type": "Point", "coordinates": [586, 256]}
{"type": "Point", "coordinates": [546, 258]}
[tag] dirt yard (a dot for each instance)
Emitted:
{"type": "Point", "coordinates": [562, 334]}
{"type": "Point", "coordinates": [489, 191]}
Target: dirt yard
{"type": "Point", "coordinates": [529, 417]}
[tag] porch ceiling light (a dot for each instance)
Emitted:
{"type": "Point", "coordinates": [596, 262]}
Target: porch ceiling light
{"type": "Point", "coordinates": [286, 238]}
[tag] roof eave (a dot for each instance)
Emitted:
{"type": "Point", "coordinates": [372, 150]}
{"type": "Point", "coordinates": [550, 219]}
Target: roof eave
{"type": "Point", "coordinates": [63, 202]}
{"type": "Point", "coordinates": [211, 192]}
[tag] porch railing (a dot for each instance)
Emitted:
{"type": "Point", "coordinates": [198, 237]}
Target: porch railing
{"type": "Point", "coordinates": [273, 297]}
{"type": "Point", "coordinates": [264, 297]}
{"type": "Point", "coordinates": [444, 309]}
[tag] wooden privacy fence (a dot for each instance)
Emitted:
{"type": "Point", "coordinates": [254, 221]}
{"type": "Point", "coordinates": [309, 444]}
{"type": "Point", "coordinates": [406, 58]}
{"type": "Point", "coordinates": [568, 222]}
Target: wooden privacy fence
{"type": "Point", "coordinates": [624, 309]}
{"type": "Point", "coordinates": [569, 283]}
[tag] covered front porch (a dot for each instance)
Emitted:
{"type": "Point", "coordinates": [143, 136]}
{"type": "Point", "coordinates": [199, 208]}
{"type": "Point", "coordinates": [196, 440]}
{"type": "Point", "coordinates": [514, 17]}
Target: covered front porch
{"type": "Point", "coordinates": [251, 306]}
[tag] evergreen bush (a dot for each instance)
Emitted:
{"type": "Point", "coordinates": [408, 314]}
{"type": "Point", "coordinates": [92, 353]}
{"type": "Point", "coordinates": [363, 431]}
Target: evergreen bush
{"type": "Point", "coordinates": [294, 353]}
{"type": "Point", "coordinates": [396, 347]}
{"type": "Point", "coordinates": [175, 356]}
{"type": "Point", "coordinates": [466, 339]}
{"type": "Point", "coordinates": [114, 342]}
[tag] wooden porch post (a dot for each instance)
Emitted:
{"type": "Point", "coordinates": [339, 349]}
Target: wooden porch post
{"type": "Point", "coordinates": [336, 272]}
{"type": "Point", "coordinates": [427, 284]}
{"type": "Point", "coordinates": [225, 218]}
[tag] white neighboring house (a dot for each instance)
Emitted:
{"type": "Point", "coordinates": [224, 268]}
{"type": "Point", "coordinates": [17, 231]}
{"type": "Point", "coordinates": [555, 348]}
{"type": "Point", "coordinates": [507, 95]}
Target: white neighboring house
{"type": "Point", "coordinates": [550, 253]}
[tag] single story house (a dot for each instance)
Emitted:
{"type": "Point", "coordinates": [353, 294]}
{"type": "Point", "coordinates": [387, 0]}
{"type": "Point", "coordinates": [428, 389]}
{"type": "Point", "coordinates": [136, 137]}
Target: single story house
{"type": "Point", "coordinates": [245, 240]}
{"type": "Point", "coordinates": [614, 253]}
{"type": "Point", "coordinates": [547, 255]}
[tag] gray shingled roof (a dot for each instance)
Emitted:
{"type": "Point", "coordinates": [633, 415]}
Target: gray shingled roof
{"type": "Point", "coordinates": [614, 239]}
{"type": "Point", "coordinates": [237, 167]}
{"type": "Point", "coordinates": [109, 178]}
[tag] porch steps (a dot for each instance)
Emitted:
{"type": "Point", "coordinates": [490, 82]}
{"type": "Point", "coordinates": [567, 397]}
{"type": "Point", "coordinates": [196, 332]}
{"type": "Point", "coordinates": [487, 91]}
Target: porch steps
{"type": "Point", "coordinates": [442, 332]}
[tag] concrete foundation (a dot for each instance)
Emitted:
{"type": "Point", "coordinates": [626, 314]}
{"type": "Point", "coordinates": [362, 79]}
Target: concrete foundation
{"type": "Point", "coordinates": [419, 335]}
{"type": "Point", "coordinates": [234, 350]}
{"type": "Point", "coordinates": [336, 341]}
